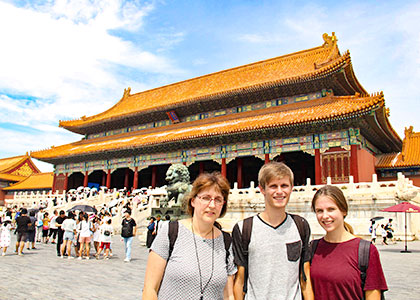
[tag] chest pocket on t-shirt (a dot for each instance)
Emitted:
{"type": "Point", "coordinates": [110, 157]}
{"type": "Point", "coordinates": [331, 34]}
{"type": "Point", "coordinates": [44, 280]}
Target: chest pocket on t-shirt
{"type": "Point", "coordinates": [293, 250]}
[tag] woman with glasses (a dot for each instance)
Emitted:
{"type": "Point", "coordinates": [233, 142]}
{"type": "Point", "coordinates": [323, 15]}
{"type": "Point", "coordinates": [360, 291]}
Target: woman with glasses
{"type": "Point", "coordinates": [199, 266]}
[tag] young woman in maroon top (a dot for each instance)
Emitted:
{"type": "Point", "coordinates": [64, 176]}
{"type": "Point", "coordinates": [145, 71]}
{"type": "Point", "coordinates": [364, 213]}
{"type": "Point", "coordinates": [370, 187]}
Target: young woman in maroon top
{"type": "Point", "coordinates": [334, 269]}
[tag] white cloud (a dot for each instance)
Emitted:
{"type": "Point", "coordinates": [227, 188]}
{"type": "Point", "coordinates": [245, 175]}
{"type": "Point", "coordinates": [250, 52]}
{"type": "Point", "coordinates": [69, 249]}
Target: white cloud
{"type": "Point", "coordinates": [62, 57]}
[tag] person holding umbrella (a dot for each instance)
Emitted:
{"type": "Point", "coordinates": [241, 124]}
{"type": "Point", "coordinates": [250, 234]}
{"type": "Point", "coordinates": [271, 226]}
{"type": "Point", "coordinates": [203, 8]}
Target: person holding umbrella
{"type": "Point", "coordinates": [335, 270]}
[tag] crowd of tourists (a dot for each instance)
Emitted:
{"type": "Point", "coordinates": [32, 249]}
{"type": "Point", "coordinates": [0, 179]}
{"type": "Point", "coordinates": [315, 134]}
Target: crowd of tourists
{"type": "Point", "coordinates": [74, 233]}
{"type": "Point", "coordinates": [267, 256]}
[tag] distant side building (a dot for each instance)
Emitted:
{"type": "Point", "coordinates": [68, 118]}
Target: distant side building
{"type": "Point", "coordinates": [407, 161]}
{"type": "Point", "coordinates": [13, 170]}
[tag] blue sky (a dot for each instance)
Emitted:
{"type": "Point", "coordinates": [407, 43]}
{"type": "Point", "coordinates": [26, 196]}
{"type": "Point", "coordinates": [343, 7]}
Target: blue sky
{"type": "Point", "coordinates": [62, 59]}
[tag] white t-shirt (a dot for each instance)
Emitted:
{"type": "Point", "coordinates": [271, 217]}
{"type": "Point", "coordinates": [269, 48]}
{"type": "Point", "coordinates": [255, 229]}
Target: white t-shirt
{"type": "Point", "coordinates": [84, 229]}
{"type": "Point", "coordinates": [53, 223]}
{"type": "Point", "coordinates": [68, 225]}
{"type": "Point", "coordinates": [106, 238]}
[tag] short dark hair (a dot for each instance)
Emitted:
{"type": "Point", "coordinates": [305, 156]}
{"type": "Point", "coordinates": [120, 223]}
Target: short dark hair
{"type": "Point", "coordinates": [62, 212]}
{"type": "Point", "coordinates": [24, 211]}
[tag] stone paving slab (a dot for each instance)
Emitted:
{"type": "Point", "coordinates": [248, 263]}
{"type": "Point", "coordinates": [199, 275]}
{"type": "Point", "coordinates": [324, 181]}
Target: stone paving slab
{"type": "Point", "coordinates": [40, 274]}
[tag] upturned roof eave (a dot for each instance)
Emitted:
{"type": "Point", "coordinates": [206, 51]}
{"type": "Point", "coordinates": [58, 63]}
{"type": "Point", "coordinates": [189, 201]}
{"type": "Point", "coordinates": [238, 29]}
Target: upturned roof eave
{"type": "Point", "coordinates": [80, 129]}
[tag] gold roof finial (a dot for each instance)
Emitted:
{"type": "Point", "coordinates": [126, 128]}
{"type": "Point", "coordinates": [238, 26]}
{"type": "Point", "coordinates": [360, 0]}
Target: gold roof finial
{"type": "Point", "coordinates": [329, 41]}
{"type": "Point", "coordinates": [127, 92]}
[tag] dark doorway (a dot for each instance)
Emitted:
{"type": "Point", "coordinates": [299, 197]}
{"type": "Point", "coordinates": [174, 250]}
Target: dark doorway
{"type": "Point", "coordinates": [97, 178]}
{"type": "Point", "coordinates": [75, 180]}
{"type": "Point", "coordinates": [118, 178]}
{"type": "Point", "coordinates": [250, 167]}
{"type": "Point", "coordinates": [208, 166]}
{"type": "Point", "coordinates": [302, 165]}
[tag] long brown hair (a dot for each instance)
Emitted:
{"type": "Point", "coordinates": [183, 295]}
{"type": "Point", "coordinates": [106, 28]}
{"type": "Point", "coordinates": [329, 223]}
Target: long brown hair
{"type": "Point", "coordinates": [335, 194]}
{"type": "Point", "coordinates": [204, 181]}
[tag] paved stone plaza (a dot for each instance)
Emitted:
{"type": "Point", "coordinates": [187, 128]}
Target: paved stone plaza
{"type": "Point", "coordinates": [40, 274]}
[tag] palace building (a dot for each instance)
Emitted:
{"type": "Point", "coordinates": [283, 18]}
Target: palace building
{"type": "Point", "coordinates": [306, 109]}
{"type": "Point", "coordinates": [407, 161]}
{"type": "Point", "coordinates": [13, 170]}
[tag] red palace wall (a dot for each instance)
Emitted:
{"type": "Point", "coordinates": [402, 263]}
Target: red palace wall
{"type": "Point", "coordinates": [366, 165]}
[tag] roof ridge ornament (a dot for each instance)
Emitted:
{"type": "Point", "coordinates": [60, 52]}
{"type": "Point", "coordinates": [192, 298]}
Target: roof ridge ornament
{"type": "Point", "coordinates": [329, 41]}
{"type": "Point", "coordinates": [126, 94]}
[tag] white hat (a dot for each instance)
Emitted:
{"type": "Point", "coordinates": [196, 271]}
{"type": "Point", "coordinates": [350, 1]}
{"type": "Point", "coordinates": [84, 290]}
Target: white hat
{"type": "Point", "coordinates": [7, 218]}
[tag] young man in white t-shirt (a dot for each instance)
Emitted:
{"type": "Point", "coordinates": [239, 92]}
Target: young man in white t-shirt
{"type": "Point", "coordinates": [275, 265]}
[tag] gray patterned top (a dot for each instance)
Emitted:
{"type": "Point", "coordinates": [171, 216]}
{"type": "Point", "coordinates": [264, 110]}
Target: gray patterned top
{"type": "Point", "coordinates": [181, 279]}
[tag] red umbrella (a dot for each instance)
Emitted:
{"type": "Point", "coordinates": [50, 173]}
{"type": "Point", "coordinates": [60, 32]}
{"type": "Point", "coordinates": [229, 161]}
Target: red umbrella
{"type": "Point", "coordinates": [404, 207]}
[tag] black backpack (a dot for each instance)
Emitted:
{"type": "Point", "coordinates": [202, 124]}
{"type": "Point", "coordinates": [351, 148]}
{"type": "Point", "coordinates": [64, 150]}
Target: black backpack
{"type": "Point", "coordinates": [363, 260]}
{"type": "Point", "coordinates": [173, 235]}
{"type": "Point", "coordinates": [304, 232]}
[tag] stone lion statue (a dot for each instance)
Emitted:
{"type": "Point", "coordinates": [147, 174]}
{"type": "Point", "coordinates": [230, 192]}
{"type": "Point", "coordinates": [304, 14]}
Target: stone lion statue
{"type": "Point", "coordinates": [178, 178]}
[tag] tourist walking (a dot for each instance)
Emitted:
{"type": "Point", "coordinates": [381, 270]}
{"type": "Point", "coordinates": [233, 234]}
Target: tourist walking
{"type": "Point", "coordinates": [30, 238]}
{"type": "Point", "coordinates": [335, 272]}
{"type": "Point", "coordinates": [45, 228]}
{"type": "Point", "coordinates": [128, 231]}
{"type": "Point", "coordinates": [5, 234]}
{"type": "Point", "coordinates": [199, 263]}
{"type": "Point", "coordinates": [53, 227]}
{"type": "Point", "coordinates": [39, 225]}
{"type": "Point", "coordinates": [69, 228]}
{"type": "Point", "coordinates": [372, 230]}
{"type": "Point", "coordinates": [383, 234]}
{"type": "Point", "coordinates": [390, 231]}
{"type": "Point", "coordinates": [150, 232]}
{"type": "Point", "coordinates": [23, 223]}
{"type": "Point", "coordinates": [85, 234]}
{"type": "Point", "coordinates": [106, 231]}
{"type": "Point", "coordinates": [60, 232]}
{"type": "Point", "coordinates": [272, 248]}
{"type": "Point", "coordinates": [96, 233]}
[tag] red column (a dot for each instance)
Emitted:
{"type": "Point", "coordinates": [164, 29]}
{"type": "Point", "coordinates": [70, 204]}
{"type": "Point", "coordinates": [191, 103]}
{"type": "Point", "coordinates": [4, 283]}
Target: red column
{"type": "Point", "coordinates": [224, 170]}
{"type": "Point", "coordinates": [354, 169]}
{"type": "Point", "coordinates": [239, 172]}
{"type": "Point", "coordinates": [136, 178]}
{"type": "Point", "coordinates": [85, 180]}
{"type": "Point", "coordinates": [66, 182]}
{"type": "Point", "coordinates": [317, 167]}
{"type": "Point", "coordinates": [108, 179]}
{"type": "Point", "coordinates": [201, 167]}
{"type": "Point", "coordinates": [54, 181]}
{"type": "Point", "coordinates": [267, 158]}
{"type": "Point", "coordinates": [126, 178]}
{"type": "Point", "coordinates": [103, 179]}
{"type": "Point", "coordinates": [154, 173]}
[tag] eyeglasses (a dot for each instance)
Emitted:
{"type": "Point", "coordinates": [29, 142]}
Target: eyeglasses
{"type": "Point", "coordinates": [218, 201]}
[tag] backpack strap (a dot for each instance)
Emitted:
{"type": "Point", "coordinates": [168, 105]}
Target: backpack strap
{"type": "Point", "coordinates": [304, 232]}
{"type": "Point", "coordinates": [227, 239]}
{"type": "Point", "coordinates": [172, 235]}
{"type": "Point", "coordinates": [364, 251]}
{"type": "Point", "coordinates": [246, 238]}
{"type": "Point", "coordinates": [313, 246]}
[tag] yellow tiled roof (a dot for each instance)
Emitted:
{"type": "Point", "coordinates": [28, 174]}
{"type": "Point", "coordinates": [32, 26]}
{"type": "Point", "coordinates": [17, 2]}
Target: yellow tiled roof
{"type": "Point", "coordinates": [11, 177]}
{"type": "Point", "coordinates": [285, 115]}
{"type": "Point", "coordinates": [408, 157]}
{"type": "Point", "coordinates": [34, 182]}
{"type": "Point", "coordinates": [289, 68]}
{"type": "Point", "coordinates": [11, 162]}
